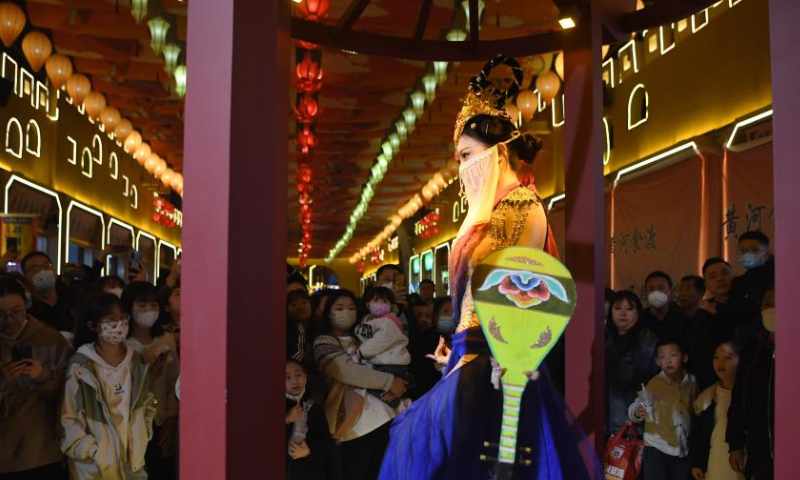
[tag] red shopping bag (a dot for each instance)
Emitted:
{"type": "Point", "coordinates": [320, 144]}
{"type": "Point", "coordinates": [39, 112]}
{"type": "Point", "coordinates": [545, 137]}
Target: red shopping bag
{"type": "Point", "coordinates": [623, 458]}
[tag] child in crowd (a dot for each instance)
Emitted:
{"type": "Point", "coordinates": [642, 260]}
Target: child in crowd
{"type": "Point", "coordinates": [158, 349]}
{"type": "Point", "coordinates": [309, 443]}
{"type": "Point", "coordinates": [709, 450]}
{"type": "Point", "coordinates": [668, 417]}
{"type": "Point", "coordinates": [383, 344]}
{"type": "Point", "coordinates": [107, 412]}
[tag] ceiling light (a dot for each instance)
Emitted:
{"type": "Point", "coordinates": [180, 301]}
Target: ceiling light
{"type": "Point", "coordinates": [465, 6]}
{"type": "Point", "coordinates": [139, 9]}
{"type": "Point", "coordinates": [568, 18]}
{"type": "Point", "coordinates": [567, 23]}
{"type": "Point", "coordinates": [158, 34]}
{"type": "Point", "coordinates": [171, 54]}
{"type": "Point", "coordinates": [456, 35]}
{"type": "Point", "coordinates": [180, 80]}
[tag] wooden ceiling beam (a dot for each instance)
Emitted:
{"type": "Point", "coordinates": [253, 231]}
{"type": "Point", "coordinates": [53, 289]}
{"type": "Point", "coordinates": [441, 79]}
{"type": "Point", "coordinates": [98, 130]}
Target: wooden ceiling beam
{"type": "Point", "coordinates": [424, 14]}
{"type": "Point", "coordinates": [428, 50]}
{"type": "Point", "coordinates": [351, 16]}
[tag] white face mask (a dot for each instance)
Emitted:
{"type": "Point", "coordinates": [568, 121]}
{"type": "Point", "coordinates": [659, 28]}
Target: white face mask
{"type": "Point", "coordinates": [114, 333]}
{"type": "Point", "coordinates": [657, 299]}
{"type": "Point", "coordinates": [146, 319]}
{"type": "Point", "coordinates": [343, 319]}
{"type": "Point", "coordinates": [44, 280]}
{"type": "Point", "coordinates": [117, 292]}
{"type": "Point", "coordinates": [768, 319]}
{"type": "Point", "coordinates": [473, 173]}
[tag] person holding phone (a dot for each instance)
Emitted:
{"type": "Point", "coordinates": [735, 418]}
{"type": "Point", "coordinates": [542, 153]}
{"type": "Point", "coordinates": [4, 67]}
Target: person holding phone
{"type": "Point", "coordinates": [32, 361]}
{"type": "Point", "coordinates": [158, 349]}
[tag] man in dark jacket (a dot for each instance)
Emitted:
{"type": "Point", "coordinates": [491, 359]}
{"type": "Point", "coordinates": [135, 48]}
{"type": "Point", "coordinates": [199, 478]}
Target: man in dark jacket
{"type": "Point", "coordinates": [724, 317]}
{"type": "Point", "coordinates": [755, 257]}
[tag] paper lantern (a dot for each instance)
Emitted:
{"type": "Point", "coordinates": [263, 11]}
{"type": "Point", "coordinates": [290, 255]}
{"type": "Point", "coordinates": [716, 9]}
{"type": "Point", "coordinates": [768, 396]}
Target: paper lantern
{"type": "Point", "coordinates": [307, 109]}
{"type": "Point", "coordinates": [513, 113]}
{"type": "Point", "coordinates": [123, 129]}
{"type": "Point", "coordinates": [139, 10]}
{"type": "Point", "coordinates": [177, 182]}
{"type": "Point", "coordinates": [94, 103]}
{"type": "Point", "coordinates": [37, 49]}
{"type": "Point", "coordinates": [180, 80]}
{"type": "Point", "coordinates": [171, 54]}
{"type": "Point", "coordinates": [161, 168]}
{"type": "Point", "coordinates": [158, 34]}
{"type": "Point", "coordinates": [309, 75]}
{"type": "Point", "coordinates": [452, 167]}
{"type": "Point", "coordinates": [59, 69]}
{"type": "Point", "coordinates": [132, 142]}
{"type": "Point", "coordinates": [314, 9]}
{"type": "Point", "coordinates": [110, 118]}
{"type": "Point", "coordinates": [142, 153]}
{"type": "Point", "coordinates": [427, 193]}
{"type": "Point", "coordinates": [548, 85]}
{"type": "Point", "coordinates": [559, 65]}
{"type": "Point", "coordinates": [527, 104]}
{"type": "Point", "coordinates": [151, 161]}
{"type": "Point", "coordinates": [12, 21]}
{"type": "Point", "coordinates": [78, 86]}
{"type": "Point", "coordinates": [166, 177]}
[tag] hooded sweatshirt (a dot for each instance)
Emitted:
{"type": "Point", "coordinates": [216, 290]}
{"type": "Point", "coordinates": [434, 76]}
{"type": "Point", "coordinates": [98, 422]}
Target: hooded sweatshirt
{"type": "Point", "coordinates": [107, 415]}
{"type": "Point", "coordinates": [28, 408]}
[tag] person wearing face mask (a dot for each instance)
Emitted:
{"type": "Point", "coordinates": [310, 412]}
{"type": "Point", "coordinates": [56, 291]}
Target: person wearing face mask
{"type": "Point", "coordinates": [107, 410]}
{"type": "Point", "coordinates": [391, 276]}
{"type": "Point", "coordinates": [382, 343]}
{"type": "Point", "coordinates": [358, 420]}
{"type": "Point", "coordinates": [158, 349]}
{"type": "Point", "coordinates": [32, 361]}
{"type": "Point", "coordinates": [662, 315]}
{"type": "Point", "coordinates": [759, 264]}
{"type": "Point", "coordinates": [723, 316]}
{"type": "Point", "coordinates": [464, 405]}
{"type": "Point", "coordinates": [751, 416]}
{"type": "Point", "coordinates": [112, 284]}
{"type": "Point", "coordinates": [52, 299]}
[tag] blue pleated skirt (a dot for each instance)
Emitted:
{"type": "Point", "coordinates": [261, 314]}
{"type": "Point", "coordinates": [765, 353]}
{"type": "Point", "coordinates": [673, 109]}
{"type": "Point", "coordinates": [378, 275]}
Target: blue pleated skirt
{"type": "Point", "coordinates": [441, 436]}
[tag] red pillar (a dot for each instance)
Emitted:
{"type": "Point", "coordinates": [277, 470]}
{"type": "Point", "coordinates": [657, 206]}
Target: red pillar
{"type": "Point", "coordinates": [234, 240]}
{"type": "Point", "coordinates": [784, 17]}
{"type": "Point", "coordinates": [585, 242]}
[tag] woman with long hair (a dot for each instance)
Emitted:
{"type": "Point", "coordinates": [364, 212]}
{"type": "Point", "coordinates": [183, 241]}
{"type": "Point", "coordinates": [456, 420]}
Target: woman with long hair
{"type": "Point", "coordinates": [442, 435]}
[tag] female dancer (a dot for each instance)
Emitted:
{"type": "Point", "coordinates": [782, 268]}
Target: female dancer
{"type": "Point", "coordinates": [442, 435]}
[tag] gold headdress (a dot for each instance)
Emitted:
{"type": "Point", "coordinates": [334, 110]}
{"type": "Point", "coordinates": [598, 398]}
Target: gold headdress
{"type": "Point", "coordinates": [484, 98]}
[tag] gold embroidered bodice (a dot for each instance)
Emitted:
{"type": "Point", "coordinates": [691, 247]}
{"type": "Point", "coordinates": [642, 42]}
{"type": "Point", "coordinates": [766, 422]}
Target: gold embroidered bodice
{"type": "Point", "coordinates": [519, 201]}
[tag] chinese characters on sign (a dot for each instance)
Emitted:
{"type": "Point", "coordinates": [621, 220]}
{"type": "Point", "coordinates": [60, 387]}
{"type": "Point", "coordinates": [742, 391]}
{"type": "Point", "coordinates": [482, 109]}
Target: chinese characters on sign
{"type": "Point", "coordinates": [631, 243]}
{"type": "Point", "coordinates": [755, 217]}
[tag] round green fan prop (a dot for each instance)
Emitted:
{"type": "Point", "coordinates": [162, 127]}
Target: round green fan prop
{"type": "Point", "coordinates": [524, 299]}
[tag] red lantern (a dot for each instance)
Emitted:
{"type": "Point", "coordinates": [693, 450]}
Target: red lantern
{"type": "Point", "coordinates": [304, 172]}
{"type": "Point", "coordinates": [157, 217]}
{"type": "Point", "coordinates": [314, 9]}
{"type": "Point", "coordinates": [306, 140]}
{"type": "Point", "coordinates": [307, 109]}
{"type": "Point", "coordinates": [309, 75]}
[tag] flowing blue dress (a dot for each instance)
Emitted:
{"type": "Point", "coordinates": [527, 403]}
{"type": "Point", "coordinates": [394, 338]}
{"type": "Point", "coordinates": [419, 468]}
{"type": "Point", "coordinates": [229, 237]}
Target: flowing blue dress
{"type": "Point", "coordinates": [441, 436]}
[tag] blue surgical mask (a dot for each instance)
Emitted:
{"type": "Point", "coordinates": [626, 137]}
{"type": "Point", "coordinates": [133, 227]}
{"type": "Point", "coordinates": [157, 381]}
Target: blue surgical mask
{"type": "Point", "coordinates": [751, 260]}
{"type": "Point", "coordinates": [446, 324]}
